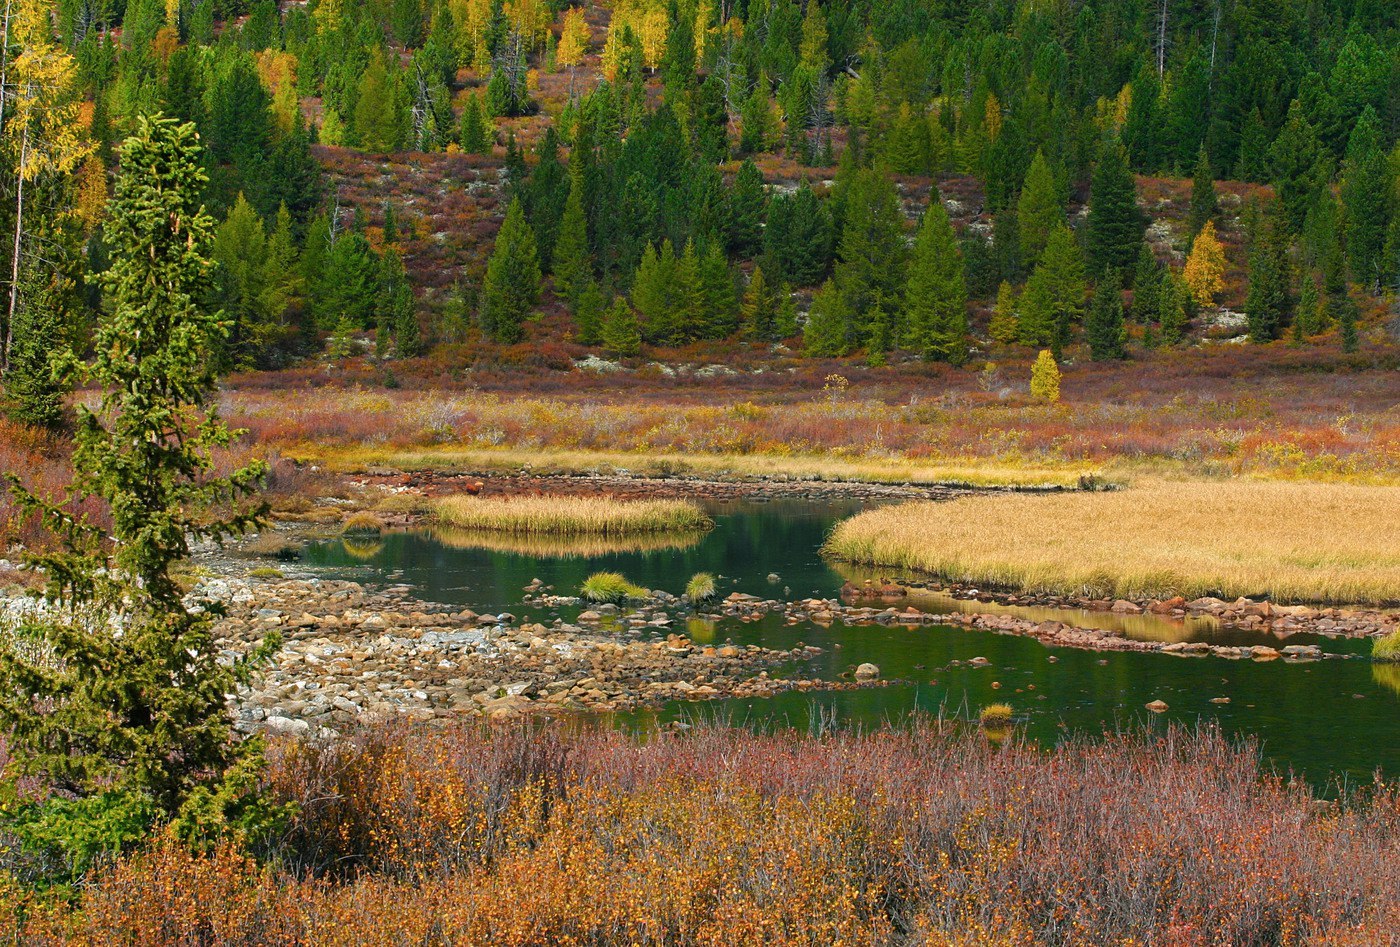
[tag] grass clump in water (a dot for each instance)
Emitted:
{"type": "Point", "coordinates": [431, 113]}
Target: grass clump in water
{"type": "Point", "coordinates": [362, 523]}
{"type": "Point", "coordinates": [571, 516]}
{"type": "Point", "coordinates": [995, 716]}
{"type": "Point", "coordinates": [1386, 649]}
{"type": "Point", "coordinates": [701, 587]}
{"type": "Point", "coordinates": [610, 587]}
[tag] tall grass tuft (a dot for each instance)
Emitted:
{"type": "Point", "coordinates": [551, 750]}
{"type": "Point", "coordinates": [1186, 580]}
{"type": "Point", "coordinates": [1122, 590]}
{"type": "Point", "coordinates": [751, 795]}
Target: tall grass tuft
{"type": "Point", "coordinates": [701, 587]}
{"type": "Point", "coordinates": [610, 587]}
{"type": "Point", "coordinates": [1299, 542]}
{"type": "Point", "coordinates": [1386, 649]}
{"type": "Point", "coordinates": [571, 516]}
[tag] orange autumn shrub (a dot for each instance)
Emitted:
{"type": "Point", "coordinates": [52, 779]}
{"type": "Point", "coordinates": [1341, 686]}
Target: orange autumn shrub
{"type": "Point", "coordinates": [531, 835]}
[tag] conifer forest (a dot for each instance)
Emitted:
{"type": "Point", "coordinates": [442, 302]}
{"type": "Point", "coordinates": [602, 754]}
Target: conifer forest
{"type": "Point", "coordinates": [698, 472]}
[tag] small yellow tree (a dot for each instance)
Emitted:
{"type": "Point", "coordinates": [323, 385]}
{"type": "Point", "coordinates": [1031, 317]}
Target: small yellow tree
{"type": "Point", "coordinates": [1045, 378]}
{"type": "Point", "coordinates": [573, 39]}
{"type": "Point", "coordinates": [1205, 268]}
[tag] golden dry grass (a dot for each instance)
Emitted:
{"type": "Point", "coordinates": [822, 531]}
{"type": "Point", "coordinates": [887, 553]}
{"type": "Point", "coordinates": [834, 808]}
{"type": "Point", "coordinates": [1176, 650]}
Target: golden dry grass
{"type": "Point", "coordinates": [570, 516]}
{"type": "Point", "coordinates": [1300, 542]}
{"type": "Point", "coordinates": [564, 547]}
{"type": "Point", "coordinates": [968, 471]}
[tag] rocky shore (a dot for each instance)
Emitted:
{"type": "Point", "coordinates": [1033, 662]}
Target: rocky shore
{"type": "Point", "coordinates": [350, 654]}
{"type": "Point", "coordinates": [431, 483]}
{"type": "Point", "coordinates": [1260, 615]}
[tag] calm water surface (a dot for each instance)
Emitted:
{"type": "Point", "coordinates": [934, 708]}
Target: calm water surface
{"type": "Point", "coordinates": [1327, 720]}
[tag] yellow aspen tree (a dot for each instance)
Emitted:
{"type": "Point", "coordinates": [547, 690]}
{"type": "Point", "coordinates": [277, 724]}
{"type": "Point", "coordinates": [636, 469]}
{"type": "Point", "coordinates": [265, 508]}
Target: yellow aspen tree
{"type": "Point", "coordinates": [1205, 268]}
{"type": "Point", "coordinates": [573, 39]}
{"type": "Point", "coordinates": [41, 127]}
{"type": "Point", "coordinates": [613, 50]}
{"type": "Point", "coordinates": [704, 28]}
{"type": "Point", "coordinates": [655, 27]}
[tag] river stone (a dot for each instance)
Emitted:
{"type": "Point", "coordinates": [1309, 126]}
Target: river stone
{"type": "Point", "coordinates": [1157, 706]}
{"type": "Point", "coordinates": [867, 671]}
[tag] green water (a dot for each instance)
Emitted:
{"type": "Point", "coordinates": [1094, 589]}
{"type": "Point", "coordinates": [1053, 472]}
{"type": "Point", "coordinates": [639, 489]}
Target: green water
{"type": "Point", "coordinates": [1327, 720]}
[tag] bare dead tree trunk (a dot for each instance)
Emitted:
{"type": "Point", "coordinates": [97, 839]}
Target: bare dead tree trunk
{"type": "Point", "coordinates": [19, 232]}
{"type": "Point", "coordinates": [1162, 40]}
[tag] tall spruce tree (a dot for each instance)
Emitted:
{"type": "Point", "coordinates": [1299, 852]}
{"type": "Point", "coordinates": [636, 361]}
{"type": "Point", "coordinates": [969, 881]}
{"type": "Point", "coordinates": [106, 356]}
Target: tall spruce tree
{"type": "Point", "coordinates": [1268, 303]}
{"type": "Point", "coordinates": [573, 266]}
{"type": "Point", "coordinates": [1039, 211]}
{"type": "Point", "coordinates": [935, 296]}
{"type": "Point", "coordinates": [1205, 204]}
{"type": "Point", "coordinates": [1115, 225]}
{"type": "Point", "coordinates": [119, 714]}
{"type": "Point", "coordinates": [1367, 198]}
{"type": "Point", "coordinates": [1103, 327]}
{"type": "Point", "coordinates": [35, 384]}
{"type": "Point", "coordinates": [1054, 296]}
{"type": "Point", "coordinates": [512, 285]}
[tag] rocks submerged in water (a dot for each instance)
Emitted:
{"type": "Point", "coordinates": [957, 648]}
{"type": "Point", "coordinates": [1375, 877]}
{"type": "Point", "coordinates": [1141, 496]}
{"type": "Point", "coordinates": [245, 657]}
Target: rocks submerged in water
{"type": "Point", "coordinates": [350, 654]}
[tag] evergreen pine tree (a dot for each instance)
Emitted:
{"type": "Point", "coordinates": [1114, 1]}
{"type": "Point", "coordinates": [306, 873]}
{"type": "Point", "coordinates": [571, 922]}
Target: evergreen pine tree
{"type": "Point", "coordinates": [935, 296]}
{"type": "Point", "coordinates": [759, 310]}
{"type": "Point", "coordinates": [117, 716]}
{"type": "Point", "coordinates": [1300, 167]}
{"type": "Point", "coordinates": [1172, 313]}
{"type": "Point", "coordinates": [1004, 327]}
{"type": "Point", "coordinates": [512, 285]}
{"type": "Point", "coordinates": [349, 283]}
{"type": "Point", "coordinates": [1115, 225]}
{"type": "Point", "coordinates": [573, 267]}
{"type": "Point", "coordinates": [1054, 296]}
{"type": "Point", "coordinates": [1310, 320]}
{"type": "Point", "coordinates": [1267, 304]}
{"type": "Point", "coordinates": [1345, 308]}
{"type": "Point", "coordinates": [785, 322]}
{"type": "Point", "coordinates": [870, 265]}
{"type": "Point", "coordinates": [1367, 187]}
{"type": "Point", "coordinates": [719, 301]}
{"type": "Point", "coordinates": [829, 331]}
{"type": "Point", "coordinates": [1104, 326]}
{"type": "Point", "coordinates": [396, 316]}
{"type": "Point", "coordinates": [1147, 287]}
{"type": "Point", "coordinates": [476, 132]}
{"type": "Point", "coordinates": [621, 335]}
{"type": "Point", "coordinates": [35, 384]}
{"type": "Point", "coordinates": [240, 249]}
{"type": "Point", "coordinates": [745, 210]}
{"type": "Point", "coordinates": [391, 227]}
{"type": "Point", "coordinates": [1204, 202]}
{"type": "Point", "coordinates": [588, 311]}
{"type": "Point", "coordinates": [1038, 212]}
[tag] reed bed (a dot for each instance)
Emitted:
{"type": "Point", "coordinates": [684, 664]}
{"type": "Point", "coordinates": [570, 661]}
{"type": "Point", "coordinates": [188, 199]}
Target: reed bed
{"type": "Point", "coordinates": [1332, 543]}
{"type": "Point", "coordinates": [927, 835]}
{"type": "Point", "coordinates": [570, 516]}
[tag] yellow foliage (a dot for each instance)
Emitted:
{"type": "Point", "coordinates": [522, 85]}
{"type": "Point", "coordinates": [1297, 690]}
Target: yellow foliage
{"type": "Point", "coordinates": [993, 117]}
{"type": "Point", "coordinates": [529, 18]}
{"type": "Point", "coordinates": [1205, 268]}
{"type": "Point", "coordinates": [42, 126]}
{"type": "Point", "coordinates": [573, 38]}
{"type": "Point", "coordinates": [91, 202]}
{"type": "Point", "coordinates": [1045, 378]}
